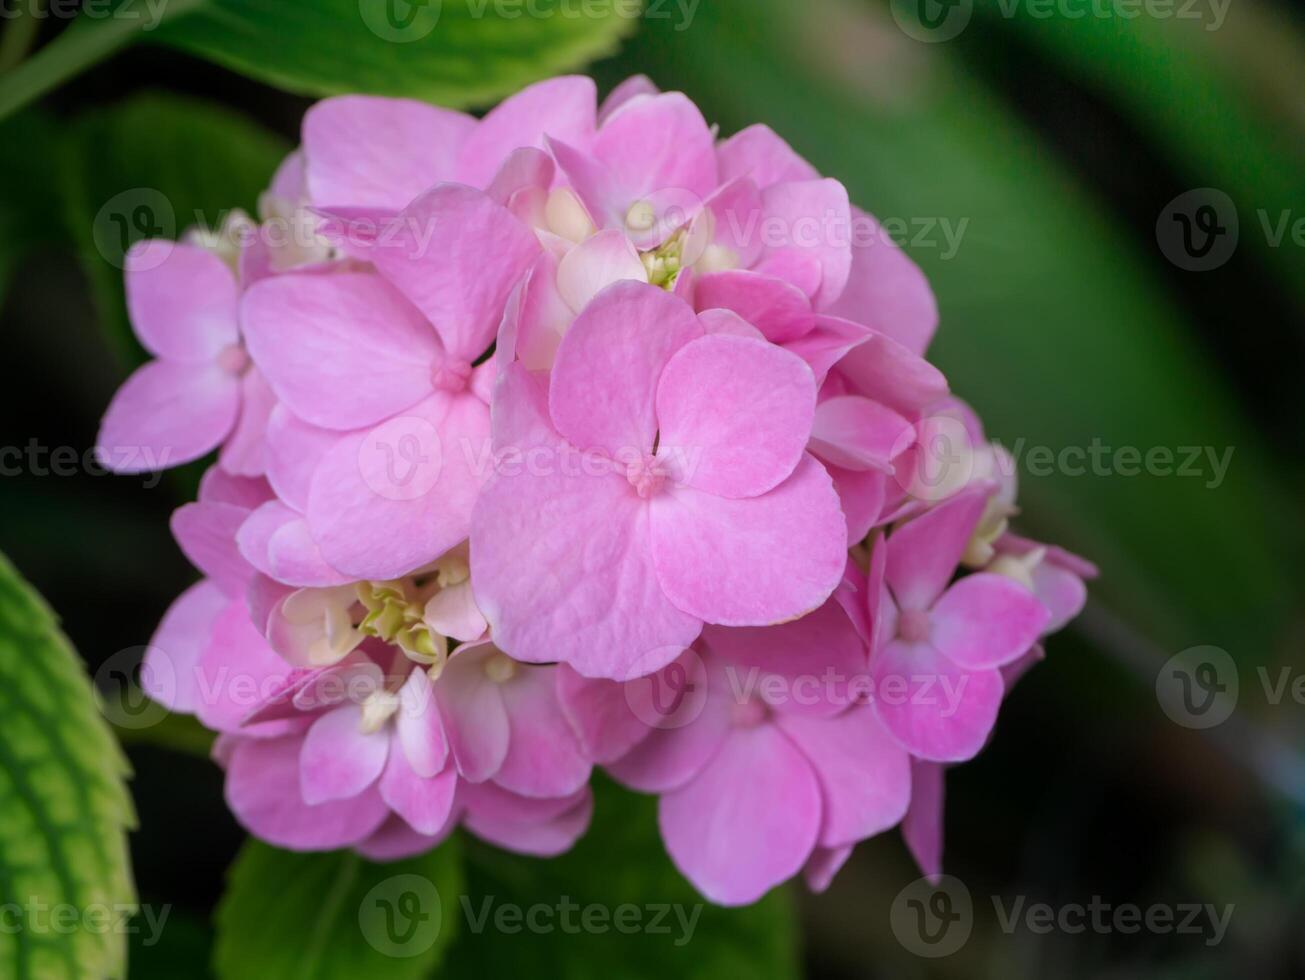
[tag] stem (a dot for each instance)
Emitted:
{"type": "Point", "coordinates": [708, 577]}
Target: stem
{"type": "Point", "coordinates": [20, 34]}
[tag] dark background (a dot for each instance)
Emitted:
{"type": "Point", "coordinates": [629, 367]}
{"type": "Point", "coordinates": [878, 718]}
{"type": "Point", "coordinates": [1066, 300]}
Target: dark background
{"type": "Point", "coordinates": [1062, 141]}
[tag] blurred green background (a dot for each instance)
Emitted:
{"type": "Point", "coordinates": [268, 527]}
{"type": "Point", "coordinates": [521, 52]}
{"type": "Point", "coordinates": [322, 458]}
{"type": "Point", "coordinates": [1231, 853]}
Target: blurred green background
{"type": "Point", "coordinates": [1033, 153]}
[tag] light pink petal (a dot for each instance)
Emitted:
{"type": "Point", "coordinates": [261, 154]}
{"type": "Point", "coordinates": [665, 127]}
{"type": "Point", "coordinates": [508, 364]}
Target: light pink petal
{"type": "Point", "coordinates": [526, 169]}
{"type": "Point", "coordinates": [886, 290]}
{"type": "Point", "coordinates": [934, 708]}
{"type": "Point", "coordinates": [276, 541]}
{"type": "Point", "coordinates": [182, 300]}
{"type": "Point", "coordinates": [987, 620]}
{"type": "Point", "coordinates": [858, 433]}
{"type": "Point", "coordinates": [436, 253]}
{"type": "Point", "coordinates": [561, 107]}
{"type": "Point", "coordinates": [170, 671]}
{"type": "Point", "coordinates": [826, 343]}
{"type": "Point", "coordinates": [734, 414]}
{"type": "Point", "coordinates": [923, 827]}
{"type": "Point", "coordinates": [596, 187]}
{"type": "Point", "coordinates": [759, 153]}
{"type": "Point", "coordinates": [540, 837]}
{"type": "Point", "coordinates": [592, 599]}
{"type": "Point", "coordinates": [599, 714]}
{"type": "Point", "coordinates": [823, 865]}
{"type": "Point", "coordinates": [731, 219]}
{"type": "Point", "coordinates": [453, 612]}
{"type": "Point", "coordinates": [341, 351]}
{"type": "Point", "coordinates": [366, 151]}
{"type": "Point", "coordinates": [604, 381]}
{"type": "Point", "coordinates": [882, 369]}
{"type": "Point", "coordinates": [238, 671]}
{"type": "Point", "coordinates": [797, 268]}
{"type": "Point", "coordinates": [748, 821]}
{"type": "Point", "coordinates": [536, 317]}
{"type": "Point", "coordinates": [595, 264]}
{"type": "Point", "coordinates": [294, 448]}
{"type": "Point", "coordinates": [865, 776]}
{"type": "Point", "coordinates": [419, 726]}
{"type": "Point", "coordinates": [394, 498]}
{"type": "Point", "coordinates": [776, 308]}
{"type": "Point", "coordinates": [339, 761]}
{"type": "Point", "coordinates": [425, 802]}
{"type": "Point", "coordinates": [475, 716]}
{"type": "Point", "coordinates": [544, 757]}
{"type": "Point", "coordinates": [816, 220]}
{"type": "Point", "coordinates": [924, 552]}
{"type": "Point", "coordinates": [657, 142]}
{"type": "Point", "coordinates": [1061, 591]}
{"type": "Point", "coordinates": [167, 413]}
{"type": "Point", "coordinates": [206, 533]}
{"type": "Point", "coordinates": [263, 793]}
{"type": "Point", "coordinates": [751, 562]}
{"type": "Point", "coordinates": [243, 453]}
{"type": "Point", "coordinates": [633, 86]}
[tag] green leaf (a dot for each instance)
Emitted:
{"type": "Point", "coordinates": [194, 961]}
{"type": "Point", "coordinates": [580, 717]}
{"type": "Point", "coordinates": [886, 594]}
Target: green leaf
{"type": "Point", "coordinates": [63, 843]}
{"type": "Point", "coordinates": [1052, 325]}
{"type": "Point", "coordinates": [455, 52]}
{"type": "Point", "coordinates": [614, 906]}
{"type": "Point", "coordinates": [336, 915]}
{"type": "Point", "coordinates": [155, 166]}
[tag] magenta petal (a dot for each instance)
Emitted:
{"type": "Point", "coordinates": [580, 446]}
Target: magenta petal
{"type": "Point", "coordinates": [170, 671]}
{"type": "Point", "coordinates": [435, 253]}
{"type": "Point", "coordinates": [339, 760]}
{"type": "Point", "coordinates": [564, 108]}
{"type": "Point", "coordinates": [987, 620]}
{"type": "Point", "coordinates": [751, 562]}
{"type": "Point", "coordinates": [936, 709]}
{"type": "Point", "coordinates": [475, 716]}
{"type": "Point", "coordinates": [858, 434]}
{"type": "Point", "coordinates": [865, 776]}
{"type": "Point", "coordinates": [924, 552]}
{"type": "Point", "coordinates": [604, 380]}
{"type": "Point", "coordinates": [599, 714]}
{"type": "Point", "coordinates": [167, 413]}
{"type": "Point", "coordinates": [182, 300]}
{"type": "Point", "coordinates": [923, 827]}
{"type": "Point", "coordinates": [389, 500]}
{"type": "Point", "coordinates": [734, 414]}
{"type": "Point", "coordinates": [544, 757]}
{"type": "Point", "coordinates": [777, 308]}
{"type": "Point", "coordinates": [341, 351]}
{"type": "Point", "coordinates": [425, 802]}
{"type": "Point", "coordinates": [748, 821]}
{"type": "Point", "coordinates": [364, 151]}
{"type": "Point", "coordinates": [263, 792]}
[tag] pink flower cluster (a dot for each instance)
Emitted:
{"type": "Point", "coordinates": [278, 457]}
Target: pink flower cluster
{"type": "Point", "coordinates": [575, 436]}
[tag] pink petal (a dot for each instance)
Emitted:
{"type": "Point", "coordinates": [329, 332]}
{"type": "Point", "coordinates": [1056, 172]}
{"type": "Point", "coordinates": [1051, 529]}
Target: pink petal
{"type": "Point", "coordinates": [751, 562]}
{"type": "Point", "coordinates": [728, 322]}
{"type": "Point", "coordinates": [436, 253]}
{"type": "Point", "coordinates": [244, 451]}
{"type": "Point", "coordinates": [394, 840]}
{"type": "Point", "coordinates": [924, 552]}
{"type": "Point", "coordinates": [595, 264]}
{"type": "Point", "coordinates": [294, 449]}
{"type": "Point", "coordinates": [561, 107]}
{"type": "Point", "coordinates": [167, 413]}
{"type": "Point", "coordinates": [858, 434]}
{"type": "Point", "coordinates": [389, 500]}
{"type": "Point", "coordinates": [419, 726]}
{"type": "Point", "coordinates": [748, 821]}
{"type": "Point", "coordinates": [276, 541]}
{"type": "Point", "coordinates": [338, 760]}
{"type": "Point", "coordinates": [475, 715]}
{"type": "Point", "coordinates": [365, 151]}
{"type": "Point", "coordinates": [734, 414]}
{"type": "Point", "coordinates": [886, 290]}
{"type": "Point", "coordinates": [826, 343]}
{"type": "Point", "coordinates": [882, 369]}
{"type": "Point", "coordinates": [425, 802]}
{"type": "Point", "coordinates": [217, 486]}
{"type": "Point", "coordinates": [923, 827]}
{"type": "Point", "coordinates": [865, 776]}
{"type": "Point", "coordinates": [206, 533]}
{"type": "Point", "coordinates": [525, 169]}
{"type": "Point", "coordinates": [817, 222]}
{"type": "Point", "coordinates": [604, 380]}
{"type": "Point", "coordinates": [823, 865]}
{"type": "Point", "coordinates": [238, 671]}
{"type": "Point", "coordinates": [453, 612]}
{"type": "Point", "coordinates": [599, 715]}
{"type": "Point", "coordinates": [862, 496]}
{"type": "Point", "coordinates": [169, 672]}
{"type": "Point", "coordinates": [544, 757]}
{"type": "Point", "coordinates": [632, 87]}
{"type": "Point", "coordinates": [341, 351]}
{"type": "Point", "coordinates": [520, 826]}
{"type": "Point", "coordinates": [656, 142]}
{"type": "Point", "coordinates": [934, 708]}
{"type": "Point", "coordinates": [536, 317]}
{"type": "Point", "coordinates": [1061, 591]}
{"type": "Point", "coordinates": [263, 793]}
{"type": "Point", "coordinates": [776, 308]}
{"type": "Point", "coordinates": [182, 300]}
{"type": "Point", "coordinates": [987, 620]}
{"type": "Point", "coordinates": [759, 153]}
